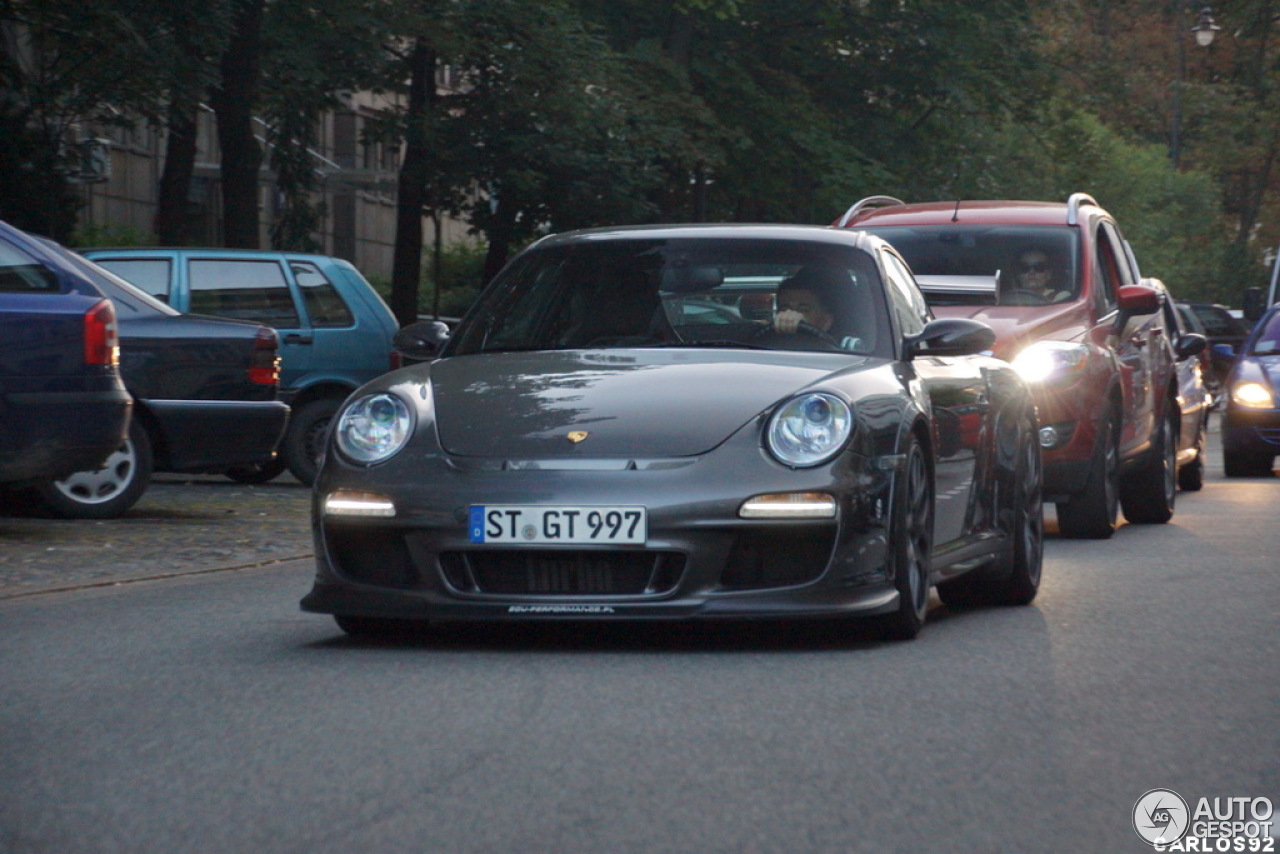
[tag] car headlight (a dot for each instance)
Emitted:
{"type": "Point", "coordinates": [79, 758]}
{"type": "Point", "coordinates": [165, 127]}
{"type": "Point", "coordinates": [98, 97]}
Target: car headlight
{"type": "Point", "coordinates": [1252, 395]}
{"type": "Point", "coordinates": [1050, 361]}
{"type": "Point", "coordinates": [809, 429]}
{"type": "Point", "coordinates": [373, 428]}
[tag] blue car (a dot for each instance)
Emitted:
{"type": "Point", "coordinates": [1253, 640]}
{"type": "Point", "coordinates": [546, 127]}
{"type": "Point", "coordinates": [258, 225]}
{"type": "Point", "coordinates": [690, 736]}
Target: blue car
{"type": "Point", "coordinates": [63, 404]}
{"type": "Point", "coordinates": [1251, 421]}
{"type": "Point", "coordinates": [335, 331]}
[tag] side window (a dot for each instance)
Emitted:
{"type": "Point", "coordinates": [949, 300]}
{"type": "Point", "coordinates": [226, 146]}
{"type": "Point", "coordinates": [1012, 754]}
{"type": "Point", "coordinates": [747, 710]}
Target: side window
{"type": "Point", "coordinates": [1106, 272]}
{"type": "Point", "coordinates": [150, 274]}
{"type": "Point", "coordinates": [321, 299]}
{"type": "Point", "coordinates": [904, 296]}
{"type": "Point", "coordinates": [21, 273]}
{"type": "Point", "coordinates": [249, 290]}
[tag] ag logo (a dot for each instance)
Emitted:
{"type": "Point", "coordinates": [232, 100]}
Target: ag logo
{"type": "Point", "coordinates": [576, 436]}
{"type": "Point", "coordinates": [1160, 817]}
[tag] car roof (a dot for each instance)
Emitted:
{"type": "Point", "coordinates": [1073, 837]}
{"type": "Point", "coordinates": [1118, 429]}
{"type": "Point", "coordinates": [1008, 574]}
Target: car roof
{"type": "Point", "coordinates": [714, 231]}
{"type": "Point", "coordinates": [204, 252]}
{"type": "Point", "coordinates": [966, 212]}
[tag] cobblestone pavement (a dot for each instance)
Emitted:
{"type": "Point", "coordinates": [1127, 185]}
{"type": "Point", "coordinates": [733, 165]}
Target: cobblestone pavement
{"type": "Point", "coordinates": [182, 524]}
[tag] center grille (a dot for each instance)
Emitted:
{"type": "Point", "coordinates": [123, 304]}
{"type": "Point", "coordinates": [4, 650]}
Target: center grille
{"type": "Point", "coordinates": [528, 572]}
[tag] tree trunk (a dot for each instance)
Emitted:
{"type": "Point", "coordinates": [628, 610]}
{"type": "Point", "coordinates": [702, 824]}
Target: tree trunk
{"type": "Point", "coordinates": [171, 224]}
{"type": "Point", "coordinates": [501, 228]}
{"type": "Point", "coordinates": [406, 264]}
{"type": "Point", "coordinates": [233, 101]}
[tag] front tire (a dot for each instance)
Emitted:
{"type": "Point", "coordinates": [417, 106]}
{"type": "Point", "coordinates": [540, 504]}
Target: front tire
{"type": "Point", "coordinates": [1148, 495]}
{"type": "Point", "coordinates": [304, 438]}
{"type": "Point", "coordinates": [1246, 463]}
{"type": "Point", "coordinates": [257, 472]}
{"type": "Point", "coordinates": [911, 545]}
{"type": "Point", "coordinates": [106, 492]}
{"type": "Point", "coordinates": [1092, 513]}
{"type": "Point", "coordinates": [1191, 476]}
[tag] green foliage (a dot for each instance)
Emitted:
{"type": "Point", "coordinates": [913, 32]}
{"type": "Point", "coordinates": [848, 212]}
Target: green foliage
{"type": "Point", "coordinates": [110, 235]}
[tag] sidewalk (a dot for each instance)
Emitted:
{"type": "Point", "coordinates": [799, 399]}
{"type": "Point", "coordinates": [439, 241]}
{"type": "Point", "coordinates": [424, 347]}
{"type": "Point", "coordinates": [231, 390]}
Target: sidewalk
{"type": "Point", "coordinates": [182, 524]}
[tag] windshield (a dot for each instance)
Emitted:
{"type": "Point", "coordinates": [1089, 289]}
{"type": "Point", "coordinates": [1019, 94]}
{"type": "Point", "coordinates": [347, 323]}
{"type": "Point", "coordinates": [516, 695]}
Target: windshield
{"type": "Point", "coordinates": [1031, 265]}
{"type": "Point", "coordinates": [1267, 340]}
{"type": "Point", "coordinates": [690, 292]}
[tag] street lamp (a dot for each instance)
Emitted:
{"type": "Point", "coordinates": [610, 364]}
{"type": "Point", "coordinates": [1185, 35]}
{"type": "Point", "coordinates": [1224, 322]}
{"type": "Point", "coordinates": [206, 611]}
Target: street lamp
{"type": "Point", "coordinates": [1204, 30]}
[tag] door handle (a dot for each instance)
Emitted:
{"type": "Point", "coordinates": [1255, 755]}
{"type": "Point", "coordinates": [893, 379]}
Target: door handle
{"type": "Point", "coordinates": [295, 338]}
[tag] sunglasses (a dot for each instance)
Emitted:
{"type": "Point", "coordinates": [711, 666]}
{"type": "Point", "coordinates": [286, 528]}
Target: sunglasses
{"type": "Point", "coordinates": [1039, 267]}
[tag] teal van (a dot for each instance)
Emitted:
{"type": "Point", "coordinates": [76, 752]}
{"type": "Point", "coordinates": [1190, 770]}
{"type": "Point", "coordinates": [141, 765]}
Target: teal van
{"type": "Point", "coordinates": [335, 331]}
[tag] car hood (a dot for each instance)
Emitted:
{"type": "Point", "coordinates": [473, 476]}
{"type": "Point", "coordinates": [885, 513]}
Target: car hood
{"type": "Point", "coordinates": [629, 403]}
{"type": "Point", "coordinates": [1018, 325]}
{"type": "Point", "coordinates": [1259, 369]}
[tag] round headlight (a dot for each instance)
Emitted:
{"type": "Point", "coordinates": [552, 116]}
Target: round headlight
{"type": "Point", "coordinates": [373, 428]}
{"type": "Point", "coordinates": [809, 429]}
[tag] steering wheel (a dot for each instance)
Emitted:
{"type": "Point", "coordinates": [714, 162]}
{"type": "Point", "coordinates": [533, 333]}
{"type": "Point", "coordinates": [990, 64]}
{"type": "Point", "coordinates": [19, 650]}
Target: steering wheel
{"type": "Point", "coordinates": [802, 329]}
{"type": "Point", "coordinates": [1035, 297]}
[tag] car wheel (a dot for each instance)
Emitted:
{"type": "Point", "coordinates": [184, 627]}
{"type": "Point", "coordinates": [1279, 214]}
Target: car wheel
{"type": "Point", "coordinates": [1092, 513]}
{"type": "Point", "coordinates": [378, 627]}
{"type": "Point", "coordinates": [1019, 579]}
{"type": "Point", "coordinates": [1148, 494]}
{"type": "Point", "coordinates": [1246, 463]}
{"type": "Point", "coordinates": [911, 545]}
{"type": "Point", "coordinates": [257, 472]}
{"type": "Point", "coordinates": [304, 439]}
{"type": "Point", "coordinates": [1191, 476]}
{"type": "Point", "coordinates": [106, 492]}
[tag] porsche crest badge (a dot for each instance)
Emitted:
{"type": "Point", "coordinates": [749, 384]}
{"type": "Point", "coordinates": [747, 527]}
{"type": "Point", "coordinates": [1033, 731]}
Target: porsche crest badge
{"type": "Point", "coordinates": [576, 436]}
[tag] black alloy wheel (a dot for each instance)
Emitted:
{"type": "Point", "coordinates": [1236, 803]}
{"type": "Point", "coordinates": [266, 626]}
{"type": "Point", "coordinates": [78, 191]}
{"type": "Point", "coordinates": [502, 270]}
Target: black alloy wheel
{"type": "Point", "coordinates": [911, 545]}
{"type": "Point", "coordinates": [1148, 494]}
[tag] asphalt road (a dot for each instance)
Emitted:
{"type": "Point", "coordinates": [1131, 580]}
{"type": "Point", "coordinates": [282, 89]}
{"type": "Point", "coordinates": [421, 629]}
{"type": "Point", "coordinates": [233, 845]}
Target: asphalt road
{"type": "Point", "coordinates": [204, 712]}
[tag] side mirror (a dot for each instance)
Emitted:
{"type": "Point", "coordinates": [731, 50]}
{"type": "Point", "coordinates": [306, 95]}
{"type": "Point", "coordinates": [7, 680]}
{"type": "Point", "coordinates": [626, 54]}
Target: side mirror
{"type": "Point", "coordinates": [421, 341]}
{"type": "Point", "coordinates": [951, 336]}
{"type": "Point", "coordinates": [1189, 344]}
{"type": "Point", "coordinates": [1137, 299]}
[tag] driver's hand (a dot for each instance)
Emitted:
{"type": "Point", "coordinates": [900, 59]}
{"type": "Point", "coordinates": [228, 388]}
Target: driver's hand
{"type": "Point", "coordinates": [787, 321]}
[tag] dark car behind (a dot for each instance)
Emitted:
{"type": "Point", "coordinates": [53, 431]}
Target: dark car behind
{"type": "Point", "coordinates": [63, 406]}
{"type": "Point", "coordinates": [205, 396]}
{"type": "Point", "coordinates": [1220, 327]}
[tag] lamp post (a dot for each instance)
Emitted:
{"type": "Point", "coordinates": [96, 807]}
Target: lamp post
{"type": "Point", "coordinates": [1204, 31]}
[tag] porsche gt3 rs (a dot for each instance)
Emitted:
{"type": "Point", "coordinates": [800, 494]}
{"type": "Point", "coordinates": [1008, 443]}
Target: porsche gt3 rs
{"type": "Point", "coordinates": [622, 428]}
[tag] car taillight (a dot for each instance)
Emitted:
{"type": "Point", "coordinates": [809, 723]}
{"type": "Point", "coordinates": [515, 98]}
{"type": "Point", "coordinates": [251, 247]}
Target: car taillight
{"type": "Point", "coordinates": [101, 335]}
{"type": "Point", "coordinates": [264, 367]}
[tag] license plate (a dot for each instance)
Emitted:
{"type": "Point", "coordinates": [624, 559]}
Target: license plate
{"type": "Point", "coordinates": [570, 525]}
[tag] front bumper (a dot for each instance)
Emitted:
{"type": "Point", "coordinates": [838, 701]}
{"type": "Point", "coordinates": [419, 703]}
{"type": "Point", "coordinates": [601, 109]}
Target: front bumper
{"type": "Point", "coordinates": [1254, 431]}
{"type": "Point", "coordinates": [700, 558]}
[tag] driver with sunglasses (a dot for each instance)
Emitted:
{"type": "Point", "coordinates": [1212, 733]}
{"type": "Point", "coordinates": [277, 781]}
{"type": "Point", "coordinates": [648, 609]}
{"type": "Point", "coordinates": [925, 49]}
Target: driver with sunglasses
{"type": "Point", "coordinates": [1036, 276]}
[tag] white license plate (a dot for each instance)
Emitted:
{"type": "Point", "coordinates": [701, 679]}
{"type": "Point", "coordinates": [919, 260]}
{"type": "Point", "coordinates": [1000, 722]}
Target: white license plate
{"type": "Point", "coordinates": [571, 525]}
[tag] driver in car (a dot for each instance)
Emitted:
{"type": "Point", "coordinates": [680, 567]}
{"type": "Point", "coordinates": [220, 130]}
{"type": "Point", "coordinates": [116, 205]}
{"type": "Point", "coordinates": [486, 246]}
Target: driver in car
{"type": "Point", "coordinates": [812, 295]}
{"type": "Point", "coordinates": [1036, 276]}
{"type": "Point", "coordinates": [800, 301]}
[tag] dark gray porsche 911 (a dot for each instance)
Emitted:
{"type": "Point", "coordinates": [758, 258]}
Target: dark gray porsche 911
{"type": "Point", "coordinates": [684, 422]}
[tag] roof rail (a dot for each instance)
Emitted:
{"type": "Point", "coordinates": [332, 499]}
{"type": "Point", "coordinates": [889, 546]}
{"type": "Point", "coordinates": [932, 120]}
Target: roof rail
{"type": "Point", "coordinates": [1074, 202]}
{"type": "Point", "coordinates": [868, 202]}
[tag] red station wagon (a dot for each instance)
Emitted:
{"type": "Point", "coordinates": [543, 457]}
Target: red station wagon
{"type": "Point", "coordinates": [1061, 288]}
